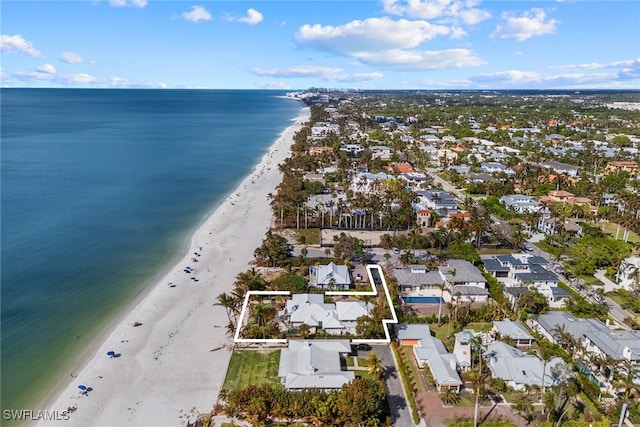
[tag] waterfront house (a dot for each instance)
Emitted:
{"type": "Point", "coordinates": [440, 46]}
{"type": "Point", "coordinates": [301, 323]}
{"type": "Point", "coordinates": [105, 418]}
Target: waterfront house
{"type": "Point", "coordinates": [314, 364]}
{"type": "Point", "coordinates": [330, 276]}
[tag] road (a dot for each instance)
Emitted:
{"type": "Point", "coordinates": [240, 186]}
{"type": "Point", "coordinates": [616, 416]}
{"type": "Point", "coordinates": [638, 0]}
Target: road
{"type": "Point", "coordinates": [400, 412]}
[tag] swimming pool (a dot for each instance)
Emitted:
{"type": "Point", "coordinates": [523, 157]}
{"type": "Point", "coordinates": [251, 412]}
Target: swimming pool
{"type": "Point", "coordinates": [422, 300]}
{"type": "Point", "coordinates": [589, 374]}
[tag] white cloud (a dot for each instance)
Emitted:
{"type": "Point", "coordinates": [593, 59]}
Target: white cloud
{"type": "Point", "coordinates": [126, 3]}
{"type": "Point", "coordinates": [531, 23]}
{"type": "Point", "coordinates": [451, 10]}
{"type": "Point", "coordinates": [421, 60]}
{"type": "Point", "coordinates": [47, 68]}
{"type": "Point", "coordinates": [535, 80]}
{"type": "Point", "coordinates": [300, 71]}
{"type": "Point", "coordinates": [327, 74]}
{"type": "Point", "coordinates": [17, 44]}
{"type": "Point", "coordinates": [373, 34]}
{"type": "Point", "coordinates": [596, 65]}
{"type": "Point", "coordinates": [71, 58]}
{"type": "Point", "coordinates": [457, 32]}
{"type": "Point", "coordinates": [84, 80]}
{"type": "Point", "coordinates": [355, 77]}
{"type": "Point", "coordinates": [253, 17]}
{"type": "Point", "coordinates": [198, 13]}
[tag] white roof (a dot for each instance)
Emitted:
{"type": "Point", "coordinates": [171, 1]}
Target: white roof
{"type": "Point", "coordinates": [314, 364]}
{"type": "Point", "coordinates": [339, 273]}
{"type": "Point", "coordinates": [351, 310]}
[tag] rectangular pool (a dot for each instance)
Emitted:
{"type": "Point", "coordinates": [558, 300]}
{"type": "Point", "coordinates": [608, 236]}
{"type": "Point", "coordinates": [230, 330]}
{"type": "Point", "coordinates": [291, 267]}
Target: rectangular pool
{"type": "Point", "coordinates": [422, 300]}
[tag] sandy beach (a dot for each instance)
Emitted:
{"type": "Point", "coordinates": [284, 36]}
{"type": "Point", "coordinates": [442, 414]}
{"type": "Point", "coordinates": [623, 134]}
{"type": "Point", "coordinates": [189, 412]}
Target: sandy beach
{"type": "Point", "coordinates": [171, 367]}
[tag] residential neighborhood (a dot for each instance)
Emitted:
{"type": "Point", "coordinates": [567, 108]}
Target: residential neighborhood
{"type": "Point", "coordinates": [485, 252]}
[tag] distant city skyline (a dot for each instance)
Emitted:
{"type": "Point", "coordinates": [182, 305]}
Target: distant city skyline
{"type": "Point", "coordinates": [292, 45]}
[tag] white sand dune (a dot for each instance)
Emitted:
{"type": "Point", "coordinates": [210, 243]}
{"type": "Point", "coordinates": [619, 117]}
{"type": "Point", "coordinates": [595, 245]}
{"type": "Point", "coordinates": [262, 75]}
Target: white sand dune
{"type": "Point", "coordinates": [172, 366]}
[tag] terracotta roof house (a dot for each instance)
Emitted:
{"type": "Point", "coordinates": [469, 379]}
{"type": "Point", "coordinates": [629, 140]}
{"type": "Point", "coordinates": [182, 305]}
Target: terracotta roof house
{"type": "Point", "coordinates": [615, 167]}
{"type": "Point", "coordinates": [399, 168]}
{"type": "Point", "coordinates": [423, 217]}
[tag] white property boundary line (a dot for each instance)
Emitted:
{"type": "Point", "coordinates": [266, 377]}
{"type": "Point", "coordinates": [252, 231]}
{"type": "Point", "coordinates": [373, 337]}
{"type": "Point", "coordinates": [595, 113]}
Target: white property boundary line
{"type": "Point", "coordinates": [374, 291]}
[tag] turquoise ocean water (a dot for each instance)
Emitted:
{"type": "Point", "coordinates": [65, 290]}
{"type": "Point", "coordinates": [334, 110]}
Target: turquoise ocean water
{"type": "Point", "coordinates": [100, 191]}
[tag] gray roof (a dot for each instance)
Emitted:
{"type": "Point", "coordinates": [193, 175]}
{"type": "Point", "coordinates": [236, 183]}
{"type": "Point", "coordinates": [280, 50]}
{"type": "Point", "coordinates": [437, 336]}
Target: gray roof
{"type": "Point", "coordinates": [517, 291]}
{"type": "Point", "coordinates": [612, 343]}
{"type": "Point", "coordinates": [513, 330]}
{"type": "Point", "coordinates": [339, 273]}
{"type": "Point", "coordinates": [492, 264]}
{"type": "Point", "coordinates": [464, 290]}
{"type": "Point", "coordinates": [465, 271]}
{"type": "Point", "coordinates": [559, 292]}
{"type": "Point", "coordinates": [412, 276]}
{"type": "Point", "coordinates": [314, 364]}
{"type": "Point", "coordinates": [537, 274]}
{"type": "Point", "coordinates": [511, 364]}
{"type": "Point", "coordinates": [431, 351]}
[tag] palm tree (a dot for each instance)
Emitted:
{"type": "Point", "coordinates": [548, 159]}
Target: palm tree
{"type": "Point", "coordinates": [624, 380]}
{"type": "Point", "coordinates": [374, 365]}
{"type": "Point", "coordinates": [228, 302]}
{"type": "Point", "coordinates": [304, 330]}
{"type": "Point", "coordinates": [449, 396]}
{"type": "Point", "coordinates": [523, 405]}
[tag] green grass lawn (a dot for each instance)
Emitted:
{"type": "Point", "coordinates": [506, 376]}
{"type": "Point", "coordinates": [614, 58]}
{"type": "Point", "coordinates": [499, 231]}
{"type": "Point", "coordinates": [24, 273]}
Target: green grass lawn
{"type": "Point", "coordinates": [611, 228]}
{"type": "Point", "coordinates": [311, 236]}
{"type": "Point", "coordinates": [252, 367]}
{"type": "Point", "coordinates": [480, 326]}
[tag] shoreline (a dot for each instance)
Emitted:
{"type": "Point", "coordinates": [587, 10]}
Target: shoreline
{"type": "Point", "coordinates": [171, 365]}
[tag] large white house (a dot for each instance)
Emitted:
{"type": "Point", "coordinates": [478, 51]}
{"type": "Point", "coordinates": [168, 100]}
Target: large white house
{"type": "Point", "coordinates": [334, 318]}
{"type": "Point", "coordinates": [628, 275]}
{"type": "Point", "coordinates": [314, 364]}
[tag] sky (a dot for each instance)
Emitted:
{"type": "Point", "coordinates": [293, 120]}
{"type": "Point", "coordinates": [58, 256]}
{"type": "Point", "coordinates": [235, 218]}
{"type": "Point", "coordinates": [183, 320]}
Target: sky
{"type": "Point", "coordinates": [298, 44]}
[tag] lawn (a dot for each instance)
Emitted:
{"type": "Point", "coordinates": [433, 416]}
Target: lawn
{"type": "Point", "coordinates": [611, 228]}
{"type": "Point", "coordinates": [252, 367]}
{"type": "Point", "coordinates": [308, 236]}
{"type": "Point", "coordinates": [480, 326]}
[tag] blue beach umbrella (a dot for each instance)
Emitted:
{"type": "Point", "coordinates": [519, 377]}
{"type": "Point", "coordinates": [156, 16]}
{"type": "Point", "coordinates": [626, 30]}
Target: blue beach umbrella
{"type": "Point", "coordinates": [81, 387]}
{"type": "Point", "coordinates": [111, 353]}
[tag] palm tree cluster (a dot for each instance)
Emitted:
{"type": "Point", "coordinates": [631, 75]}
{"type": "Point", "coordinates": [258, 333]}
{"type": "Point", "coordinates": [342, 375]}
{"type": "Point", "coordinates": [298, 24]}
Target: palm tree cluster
{"type": "Point", "coordinates": [359, 402]}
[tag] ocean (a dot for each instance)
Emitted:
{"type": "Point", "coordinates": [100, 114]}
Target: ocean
{"type": "Point", "coordinates": [100, 190]}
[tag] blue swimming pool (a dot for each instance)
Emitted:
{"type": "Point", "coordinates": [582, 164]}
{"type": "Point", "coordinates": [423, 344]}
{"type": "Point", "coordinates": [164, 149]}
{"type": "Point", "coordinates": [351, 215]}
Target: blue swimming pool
{"type": "Point", "coordinates": [589, 374]}
{"type": "Point", "coordinates": [422, 300]}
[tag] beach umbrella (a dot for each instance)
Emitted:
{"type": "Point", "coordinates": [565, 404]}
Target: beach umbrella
{"type": "Point", "coordinates": [111, 353]}
{"type": "Point", "coordinates": [82, 387]}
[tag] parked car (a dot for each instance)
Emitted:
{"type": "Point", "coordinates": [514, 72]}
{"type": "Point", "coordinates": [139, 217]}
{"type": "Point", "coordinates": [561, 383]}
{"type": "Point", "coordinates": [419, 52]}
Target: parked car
{"type": "Point", "coordinates": [395, 250]}
{"type": "Point", "coordinates": [363, 347]}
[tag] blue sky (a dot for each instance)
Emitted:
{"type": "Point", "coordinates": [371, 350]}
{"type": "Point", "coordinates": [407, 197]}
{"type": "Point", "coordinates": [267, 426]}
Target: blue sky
{"type": "Point", "coordinates": [387, 44]}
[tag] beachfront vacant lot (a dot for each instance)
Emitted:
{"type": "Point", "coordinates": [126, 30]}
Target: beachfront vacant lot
{"type": "Point", "coordinates": [252, 367]}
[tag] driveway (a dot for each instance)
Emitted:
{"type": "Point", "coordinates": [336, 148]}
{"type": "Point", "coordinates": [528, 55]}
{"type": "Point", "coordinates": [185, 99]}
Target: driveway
{"type": "Point", "coordinates": [400, 412]}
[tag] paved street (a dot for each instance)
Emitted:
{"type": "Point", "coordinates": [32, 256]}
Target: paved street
{"type": "Point", "coordinates": [397, 401]}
